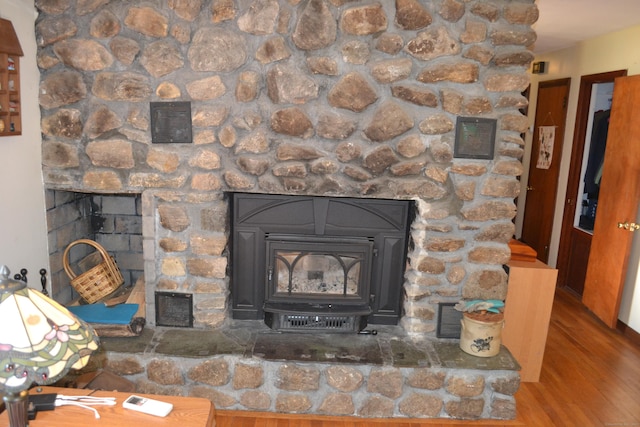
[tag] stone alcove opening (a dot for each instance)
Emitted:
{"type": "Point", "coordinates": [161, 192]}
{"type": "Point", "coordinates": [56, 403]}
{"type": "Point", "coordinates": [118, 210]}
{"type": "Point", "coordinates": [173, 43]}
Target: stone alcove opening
{"type": "Point", "coordinates": [112, 220]}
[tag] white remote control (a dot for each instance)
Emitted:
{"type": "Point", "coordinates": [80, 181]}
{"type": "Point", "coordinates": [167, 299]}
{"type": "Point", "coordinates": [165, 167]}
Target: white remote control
{"type": "Point", "coordinates": [147, 406]}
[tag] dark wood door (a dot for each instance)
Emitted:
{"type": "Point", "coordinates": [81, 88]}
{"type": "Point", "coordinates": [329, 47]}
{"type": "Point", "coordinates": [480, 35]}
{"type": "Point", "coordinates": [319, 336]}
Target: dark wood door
{"type": "Point", "coordinates": [575, 243]}
{"type": "Point", "coordinates": [542, 184]}
{"type": "Point", "coordinates": [576, 266]}
{"type": "Point", "coordinates": [617, 204]}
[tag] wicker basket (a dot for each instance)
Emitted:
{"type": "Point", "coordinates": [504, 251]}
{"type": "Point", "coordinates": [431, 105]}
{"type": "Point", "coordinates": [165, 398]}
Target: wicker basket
{"type": "Point", "coordinates": [97, 282]}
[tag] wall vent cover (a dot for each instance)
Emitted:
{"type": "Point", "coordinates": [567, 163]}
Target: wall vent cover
{"type": "Point", "coordinates": [174, 309]}
{"type": "Point", "coordinates": [171, 122]}
{"type": "Point", "coordinates": [448, 321]}
{"type": "Point", "coordinates": [314, 322]}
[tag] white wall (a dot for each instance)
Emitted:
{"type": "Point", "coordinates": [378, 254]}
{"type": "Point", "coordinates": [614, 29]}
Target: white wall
{"type": "Point", "coordinates": [23, 231]}
{"type": "Point", "coordinates": [615, 51]}
{"type": "Point", "coordinates": [630, 307]}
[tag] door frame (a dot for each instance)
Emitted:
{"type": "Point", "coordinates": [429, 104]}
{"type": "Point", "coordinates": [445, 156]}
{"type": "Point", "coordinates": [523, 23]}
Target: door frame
{"type": "Point", "coordinates": [561, 82]}
{"type": "Point", "coordinates": [575, 167]}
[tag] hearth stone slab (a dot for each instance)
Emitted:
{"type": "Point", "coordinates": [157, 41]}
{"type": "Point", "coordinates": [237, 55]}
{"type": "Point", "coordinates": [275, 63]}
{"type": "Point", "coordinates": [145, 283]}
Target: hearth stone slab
{"type": "Point", "coordinates": [139, 344]}
{"type": "Point", "coordinates": [406, 354]}
{"type": "Point", "coordinates": [391, 346]}
{"type": "Point", "coordinates": [450, 356]}
{"type": "Point", "coordinates": [194, 343]}
{"type": "Point", "coordinates": [323, 348]}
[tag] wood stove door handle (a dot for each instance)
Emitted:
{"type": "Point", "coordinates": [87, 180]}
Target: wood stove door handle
{"type": "Point", "coordinates": [270, 274]}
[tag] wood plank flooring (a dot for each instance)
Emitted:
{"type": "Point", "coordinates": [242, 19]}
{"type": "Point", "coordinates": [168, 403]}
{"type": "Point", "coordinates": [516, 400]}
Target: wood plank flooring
{"type": "Point", "coordinates": [590, 377]}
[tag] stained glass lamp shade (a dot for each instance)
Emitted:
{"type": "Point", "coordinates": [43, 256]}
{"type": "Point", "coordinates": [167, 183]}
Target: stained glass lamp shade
{"type": "Point", "coordinates": [40, 341]}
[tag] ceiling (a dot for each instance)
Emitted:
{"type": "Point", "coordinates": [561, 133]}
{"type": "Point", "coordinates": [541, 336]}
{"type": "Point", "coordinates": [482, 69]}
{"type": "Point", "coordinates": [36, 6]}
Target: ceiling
{"type": "Point", "coordinates": [563, 23]}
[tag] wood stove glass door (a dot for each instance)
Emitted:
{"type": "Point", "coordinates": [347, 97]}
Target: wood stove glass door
{"type": "Point", "coordinates": [318, 271]}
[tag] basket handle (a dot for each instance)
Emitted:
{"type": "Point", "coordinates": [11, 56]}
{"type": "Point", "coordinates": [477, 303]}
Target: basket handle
{"type": "Point", "coordinates": [65, 256]}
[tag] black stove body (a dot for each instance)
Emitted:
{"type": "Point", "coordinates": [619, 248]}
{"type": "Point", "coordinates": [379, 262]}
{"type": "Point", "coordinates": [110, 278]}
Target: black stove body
{"type": "Point", "coordinates": [328, 264]}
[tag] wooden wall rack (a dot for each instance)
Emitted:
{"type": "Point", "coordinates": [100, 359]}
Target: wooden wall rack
{"type": "Point", "coordinates": [10, 103]}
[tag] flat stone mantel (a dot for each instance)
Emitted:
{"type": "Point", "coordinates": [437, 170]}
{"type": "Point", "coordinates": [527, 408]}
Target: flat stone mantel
{"type": "Point", "coordinates": [247, 366]}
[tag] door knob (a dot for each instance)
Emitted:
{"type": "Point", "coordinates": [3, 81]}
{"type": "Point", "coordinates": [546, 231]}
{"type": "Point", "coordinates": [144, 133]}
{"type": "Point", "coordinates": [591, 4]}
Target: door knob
{"type": "Point", "coordinates": [529, 188]}
{"type": "Point", "coordinates": [629, 226]}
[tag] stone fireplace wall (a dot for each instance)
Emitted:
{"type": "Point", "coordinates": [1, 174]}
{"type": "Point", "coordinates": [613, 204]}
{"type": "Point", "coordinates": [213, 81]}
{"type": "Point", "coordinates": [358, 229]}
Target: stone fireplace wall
{"type": "Point", "coordinates": [319, 97]}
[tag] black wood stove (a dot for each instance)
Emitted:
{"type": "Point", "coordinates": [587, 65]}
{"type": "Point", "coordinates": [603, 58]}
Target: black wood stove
{"type": "Point", "coordinates": [318, 263]}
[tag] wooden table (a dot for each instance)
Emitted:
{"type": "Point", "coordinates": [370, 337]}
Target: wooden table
{"type": "Point", "coordinates": [187, 412]}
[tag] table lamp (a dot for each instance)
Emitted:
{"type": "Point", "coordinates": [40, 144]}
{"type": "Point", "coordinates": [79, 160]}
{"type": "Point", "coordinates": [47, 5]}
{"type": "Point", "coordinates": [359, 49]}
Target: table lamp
{"type": "Point", "coordinates": [40, 341]}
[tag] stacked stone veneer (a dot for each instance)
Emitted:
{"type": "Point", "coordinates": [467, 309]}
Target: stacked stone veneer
{"type": "Point", "coordinates": [233, 382]}
{"type": "Point", "coordinates": [320, 97]}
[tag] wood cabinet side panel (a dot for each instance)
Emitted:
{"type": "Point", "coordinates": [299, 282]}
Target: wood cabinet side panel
{"type": "Point", "coordinates": [527, 313]}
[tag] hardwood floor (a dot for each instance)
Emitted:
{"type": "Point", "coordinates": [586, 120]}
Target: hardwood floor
{"type": "Point", "coordinates": [590, 377]}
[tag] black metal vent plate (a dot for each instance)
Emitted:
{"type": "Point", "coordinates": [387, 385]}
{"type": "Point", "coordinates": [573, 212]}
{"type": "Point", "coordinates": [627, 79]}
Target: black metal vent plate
{"type": "Point", "coordinates": [448, 321]}
{"type": "Point", "coordinates": [313, 322]}
{"type": "Point", "coordinates": [171, 122]}
{"type": "Point", "coordinates": [174, 309]}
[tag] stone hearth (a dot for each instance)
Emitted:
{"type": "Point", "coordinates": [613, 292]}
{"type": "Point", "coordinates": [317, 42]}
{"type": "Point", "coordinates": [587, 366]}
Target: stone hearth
{"type": "Point", "coordinates": [246, 366]}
